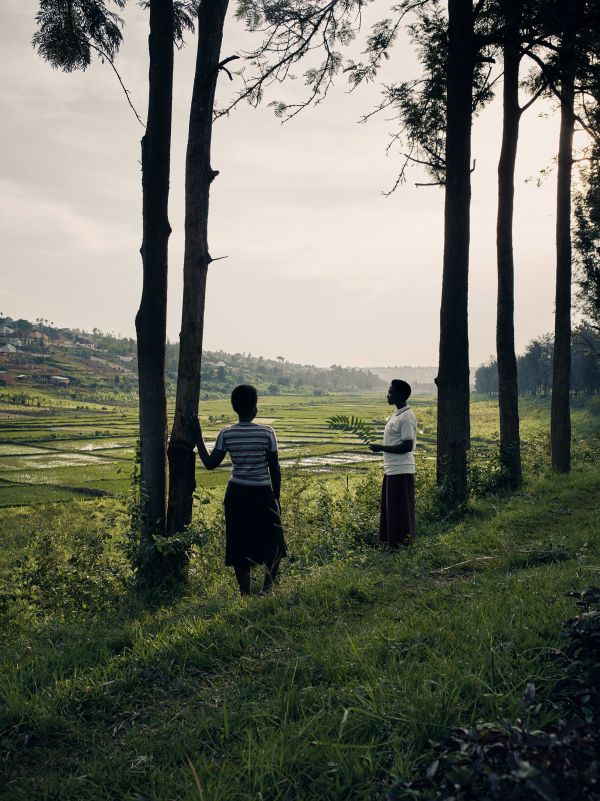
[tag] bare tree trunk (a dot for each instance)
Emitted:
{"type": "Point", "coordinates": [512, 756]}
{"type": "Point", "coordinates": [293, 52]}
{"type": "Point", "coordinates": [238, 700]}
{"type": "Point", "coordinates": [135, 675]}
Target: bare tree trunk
{"type": "Point", "coordinates": [508, 391]}
{"type": "Point", "coordinates": [453, 426]}
{"type": "Point", "coordinates": [560, 425]}
{"type": "Point", "coordinates": [151, 319]}
{"type": "Point", "coordinates": [198, 178]}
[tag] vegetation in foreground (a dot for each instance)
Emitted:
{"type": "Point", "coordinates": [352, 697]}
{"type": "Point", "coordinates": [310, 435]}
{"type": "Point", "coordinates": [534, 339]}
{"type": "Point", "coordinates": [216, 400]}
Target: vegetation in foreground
{"type": "Point", "coordinates": [334, 688]}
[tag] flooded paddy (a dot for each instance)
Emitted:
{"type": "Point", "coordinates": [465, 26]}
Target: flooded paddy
{"type": "Point", "coordinates": [69, 452]}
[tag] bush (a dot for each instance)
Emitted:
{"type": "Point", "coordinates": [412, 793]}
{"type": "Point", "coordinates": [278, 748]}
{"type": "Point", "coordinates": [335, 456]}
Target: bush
{"type": "Point", "coordinates": [64, 570]}
{"type": "Point", "coordinates": [516, 763]}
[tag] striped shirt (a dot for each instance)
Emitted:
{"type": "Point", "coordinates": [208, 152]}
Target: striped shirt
{"type": "Point", "coordinates": [248, 445]}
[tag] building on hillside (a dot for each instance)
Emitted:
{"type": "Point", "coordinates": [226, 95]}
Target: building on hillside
{"type": "Point", "coordinates": [6, 331]}
{"type": "Point", "coordinates": [10, 348]}
{"type": "Point", "coordinates": [23, 377]}
{"type": "Point", "coordinates": [59, 380]}
{"type": "Point", "coordinates": [39, 336]}
{"type": "Point", "coordinates": [85, 343]}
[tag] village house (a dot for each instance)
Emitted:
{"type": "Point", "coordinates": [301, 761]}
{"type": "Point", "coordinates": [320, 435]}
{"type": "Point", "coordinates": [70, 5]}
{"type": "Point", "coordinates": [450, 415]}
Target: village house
{"type": "Point", "coordinates": [85, 343]}
{"type": "Point", "coordinates": [10, 348]}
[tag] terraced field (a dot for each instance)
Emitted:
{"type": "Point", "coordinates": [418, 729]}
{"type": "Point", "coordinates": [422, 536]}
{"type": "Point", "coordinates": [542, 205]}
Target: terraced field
{"type": "Point", "coordinates": [62, 449]}
{"type": "Point", "coordinates": [58, 452]}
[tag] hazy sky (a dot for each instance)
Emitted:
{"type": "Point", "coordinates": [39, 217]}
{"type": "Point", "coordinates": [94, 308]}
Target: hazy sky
{"type": "Point", "coordinates": [321, 267]}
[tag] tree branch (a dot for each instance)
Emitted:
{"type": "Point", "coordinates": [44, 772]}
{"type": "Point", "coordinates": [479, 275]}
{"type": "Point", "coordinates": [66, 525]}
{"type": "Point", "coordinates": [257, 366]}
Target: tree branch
{"type": "Point", "coordinates": [115, 70]}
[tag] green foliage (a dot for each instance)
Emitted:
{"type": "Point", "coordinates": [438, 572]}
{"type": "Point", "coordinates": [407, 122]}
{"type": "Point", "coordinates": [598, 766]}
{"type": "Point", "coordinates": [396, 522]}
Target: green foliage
{"type": "Point", "coordinates": [353, 425]}
{"type": "Point", "coordinates": [68, 566]}
{"type": "Point", "coordinates": [68, 32]}
{"type": "Point", "coordinates": [514, 762]}
{"type": "Point", "coordinates": [485, 472]}
{"type": "Point", "coordinates": [579, 689]}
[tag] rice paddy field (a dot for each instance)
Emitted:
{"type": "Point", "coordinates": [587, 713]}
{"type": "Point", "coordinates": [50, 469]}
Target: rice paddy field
{"type": "Point", "coordinates": [63, 449]}
{"type": "Point", "coordinates": [54, 448]}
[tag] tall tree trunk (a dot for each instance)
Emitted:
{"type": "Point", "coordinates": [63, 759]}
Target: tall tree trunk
{"type": "Point", "coordinates": [198, 178]}
{"type": "Point", "coordinates": [560, 425]}
{"type": "Point", "coordinates": [508, 391]}
{"type": "Point", "coordinates": [453, 426]}
{"type": "Point", "coordinates": [151, 319]}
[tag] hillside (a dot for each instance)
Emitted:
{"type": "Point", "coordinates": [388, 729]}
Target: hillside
{"type": "Point", "coordinates": [40, 354]}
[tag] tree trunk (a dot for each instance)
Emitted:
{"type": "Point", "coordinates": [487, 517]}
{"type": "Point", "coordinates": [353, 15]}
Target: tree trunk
{"type": "Point", "coordinates": [560, 425]}
{"type": "Point", "coordinates": [453, 426]}
{"type": "Point", "coordinates": [151, 319]}
{"type": "Point", "coordinates": [198, 178]}
{"type": "Point", "coordinates": [508, 391]}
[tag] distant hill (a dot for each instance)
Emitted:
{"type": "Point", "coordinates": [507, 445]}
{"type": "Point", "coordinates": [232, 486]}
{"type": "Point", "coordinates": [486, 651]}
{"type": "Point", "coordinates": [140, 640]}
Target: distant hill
{"type": "Point", "coordinates": [420, 378]}
{"type": "Point", "coordinates": [40, 354]}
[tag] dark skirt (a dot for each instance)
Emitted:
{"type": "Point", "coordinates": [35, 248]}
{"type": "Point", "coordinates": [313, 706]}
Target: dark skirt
{"type": "Point", "coordinates": [397, 525]}
{"type": "Point", "coordinates": [253, 527]}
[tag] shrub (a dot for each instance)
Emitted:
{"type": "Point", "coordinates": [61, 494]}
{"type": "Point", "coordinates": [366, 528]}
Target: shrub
{"type": "Point", "coordinates": [517, 763]}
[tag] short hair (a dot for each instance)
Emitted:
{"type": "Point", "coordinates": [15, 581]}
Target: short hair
{"type": "Point", "coordinates": [402, 388]}
{"type": "Point", "coordinates": [244, 398]}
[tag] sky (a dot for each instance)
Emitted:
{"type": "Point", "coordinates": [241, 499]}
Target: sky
{"type": "Point", "coordinates": [320, 266]}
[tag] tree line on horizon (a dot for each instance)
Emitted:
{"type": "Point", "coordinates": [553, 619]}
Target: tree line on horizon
{"type": "Point", "coordinates": [534, 367]}
{"type": "Point", "coordinates": [464, 47]}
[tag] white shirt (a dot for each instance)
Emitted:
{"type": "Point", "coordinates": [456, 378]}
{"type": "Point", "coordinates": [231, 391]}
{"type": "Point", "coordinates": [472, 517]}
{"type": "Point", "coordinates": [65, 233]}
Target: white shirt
{"type": "Point", "coordinates": [400, 426]}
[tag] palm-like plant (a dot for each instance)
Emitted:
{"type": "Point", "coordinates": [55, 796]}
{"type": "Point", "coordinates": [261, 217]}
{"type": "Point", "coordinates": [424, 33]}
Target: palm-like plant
{"type": "Point", "coordinates": [353, 425]}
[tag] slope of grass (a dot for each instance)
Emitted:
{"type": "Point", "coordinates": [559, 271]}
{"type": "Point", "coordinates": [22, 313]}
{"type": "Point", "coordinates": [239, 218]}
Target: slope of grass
{"type": "Point", "coordinates": [327, 690]}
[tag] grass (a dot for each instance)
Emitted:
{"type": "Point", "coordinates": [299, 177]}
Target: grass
{"type": "Point", "coordinates": [331, 688]}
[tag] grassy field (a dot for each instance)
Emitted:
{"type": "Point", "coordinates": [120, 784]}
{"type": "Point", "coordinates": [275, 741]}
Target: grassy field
{"type": "Point", "coordinates": [330, 689]}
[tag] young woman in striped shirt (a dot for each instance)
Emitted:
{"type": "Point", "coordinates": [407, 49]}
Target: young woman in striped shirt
{"type": "Point", "coordinates": [254, 534]}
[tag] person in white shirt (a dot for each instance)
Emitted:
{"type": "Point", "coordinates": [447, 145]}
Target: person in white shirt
{"type": "Point", "coordinates": [397, 525]}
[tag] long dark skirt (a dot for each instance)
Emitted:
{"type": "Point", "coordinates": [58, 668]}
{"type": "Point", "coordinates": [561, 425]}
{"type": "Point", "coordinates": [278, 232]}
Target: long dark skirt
{"type": "Point", "coordinates": [253, 526]}
{"type": "Point", "coordinates": [397, 524]}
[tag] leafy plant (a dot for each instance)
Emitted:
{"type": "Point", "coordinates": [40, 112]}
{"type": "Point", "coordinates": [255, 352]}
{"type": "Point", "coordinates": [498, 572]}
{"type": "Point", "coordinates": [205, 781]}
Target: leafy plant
{"type": "Point", "coordinates": [558, 762]}
{"type": "Point", "coordinates": [353, 425]}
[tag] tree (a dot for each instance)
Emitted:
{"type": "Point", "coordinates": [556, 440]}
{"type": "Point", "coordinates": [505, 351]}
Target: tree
{"type": "Point", "coordinates": [453, 424]}
{"type": "Point", "coordinates": [560, 427]}
{"type": "Point", "coordinates": [435, 114]}
{"type": "Point", "coordinates": [508, 390]}
{"type": "Point", "coordinates": [198, 178]}
{"type": "Point", "coordinates": [290, 29]}
{"type": "Point", "coordinates": [587, 231]}
{"type": "Point", "coordinates": [67, 35]}
{"type": "Point", "coordinates": [151, 319]}
{"type": "Point", "coordinates": [569, 70]}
